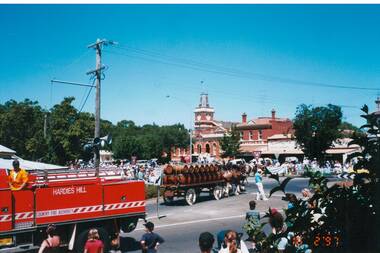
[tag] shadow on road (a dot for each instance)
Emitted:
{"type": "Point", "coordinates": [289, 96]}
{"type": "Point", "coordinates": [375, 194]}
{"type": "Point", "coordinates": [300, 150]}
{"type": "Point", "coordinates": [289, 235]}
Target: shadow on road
{"type": "Point", "coordinates": [202, 198]}
{"type": "Point", "coordinates": [129, 244]}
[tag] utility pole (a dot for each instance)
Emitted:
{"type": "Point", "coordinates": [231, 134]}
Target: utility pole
{"type": "Point", "coordinates": [191, 145]}
{"type": "Point", "coordinates": [45, 125]}
{"type": "Point", "coordinates": [98, 45]}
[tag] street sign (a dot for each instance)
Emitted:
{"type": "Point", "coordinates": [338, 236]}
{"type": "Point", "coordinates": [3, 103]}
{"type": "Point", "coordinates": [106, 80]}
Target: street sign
{"type": "Point", "coordinates": [346, 175]}
{"type": "Point", "coordinates": [256, 154]}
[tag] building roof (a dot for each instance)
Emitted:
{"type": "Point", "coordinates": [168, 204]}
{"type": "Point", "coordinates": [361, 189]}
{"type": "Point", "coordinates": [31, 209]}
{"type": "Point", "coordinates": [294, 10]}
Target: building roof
{"type": "Point", "coordinates": [280, 137]}
{"type": "Point", "coordinates": [225, 124]}
{"type": "Point", "coordinates": [28, 165]}
{"type": "Point", "coordinates": [8, 155]}
{"type": "Point", "coordinates": [332, 151]}
{"type": "Point", "coordinates": [260, 123]}
{"type": "Point", "coordinates": [6, 150]}
{"type": "Point", "coordinates": [212, 136]}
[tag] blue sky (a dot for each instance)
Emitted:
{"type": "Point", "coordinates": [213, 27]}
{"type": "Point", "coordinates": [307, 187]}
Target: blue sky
{"type": "Point", "coordinates": [146, 81]}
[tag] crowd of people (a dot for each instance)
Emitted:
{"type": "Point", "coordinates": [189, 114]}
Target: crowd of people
{"type": "Point", "coordinates": [148, 171]}
{"type": "Point", "coordinates": [230, 241]}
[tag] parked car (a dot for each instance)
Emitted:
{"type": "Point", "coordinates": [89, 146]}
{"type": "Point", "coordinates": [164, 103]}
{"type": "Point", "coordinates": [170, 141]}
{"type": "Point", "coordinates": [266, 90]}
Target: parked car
{"type": "Point", "coordinates": [141, 162]}
{"type": "Point", "coordinates": [237, 162]}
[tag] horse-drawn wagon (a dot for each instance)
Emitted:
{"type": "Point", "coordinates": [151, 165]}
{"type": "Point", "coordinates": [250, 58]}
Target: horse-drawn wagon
{"type": "Point", "coordinates": [190, 180]}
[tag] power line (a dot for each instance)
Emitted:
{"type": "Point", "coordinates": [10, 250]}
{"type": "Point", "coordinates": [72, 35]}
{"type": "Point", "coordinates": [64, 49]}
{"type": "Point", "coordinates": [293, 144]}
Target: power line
{"type": "Point", "coordinates": [186, 63]}
{"type": "Point", "coordinates": [88, 94]}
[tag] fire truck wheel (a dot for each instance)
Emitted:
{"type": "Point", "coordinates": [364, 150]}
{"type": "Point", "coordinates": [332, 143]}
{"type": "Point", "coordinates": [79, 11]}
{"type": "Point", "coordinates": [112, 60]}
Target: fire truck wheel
{"type": "Point", "coordinates": [83, 236]}
{"type": "Point", "coordinates": [191, 196]}
{"type": "Point", "coordinates": [128, 224]}
{"type": "Point", "coordinates": [218, 192]}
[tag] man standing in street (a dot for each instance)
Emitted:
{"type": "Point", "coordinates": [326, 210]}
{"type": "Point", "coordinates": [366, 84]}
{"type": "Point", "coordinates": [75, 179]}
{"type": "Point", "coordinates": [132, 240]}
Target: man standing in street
{"type": "Point", "coordinates": [18, 178]}
{"type": "Point", "coordinates": [150, 240]}
{"type": "Point", "coordinates": [260, 187]}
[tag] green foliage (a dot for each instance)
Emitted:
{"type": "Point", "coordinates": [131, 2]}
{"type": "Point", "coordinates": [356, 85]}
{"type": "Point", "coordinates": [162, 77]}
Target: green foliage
{"type": "Point", "coordinates": [68, 131]}
{"type": "Point", "coordinates": [148, 141]}
{"type": "Point", "coordinates": [345, 213]}
{"type": "Point", "coordinates": [254, 229]}
{"type": "Point", "coordinates": [316, 128]}
{"type": "Point", "coordinates": [21, 128]}
{"type": "Point", "coordinates": [22, 124]}
{"type": "Point", "coordinates": [151, 191]}
{"type": "Point", "coordinates": [230, 143]}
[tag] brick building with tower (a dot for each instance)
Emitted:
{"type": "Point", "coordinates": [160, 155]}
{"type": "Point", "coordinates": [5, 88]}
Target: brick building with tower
{"type": "Point", "coordinates": [206, 135]}
{"type": "Point", "coordinates": [208, 132]}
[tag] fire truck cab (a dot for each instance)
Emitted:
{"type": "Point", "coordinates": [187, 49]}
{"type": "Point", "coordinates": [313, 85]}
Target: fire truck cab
{"type": "Point", "coordinates": [75, 201]}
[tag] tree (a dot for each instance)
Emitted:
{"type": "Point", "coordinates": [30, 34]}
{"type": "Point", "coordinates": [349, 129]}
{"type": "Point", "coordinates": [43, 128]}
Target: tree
{"type": "Point", "coordinates": [340, 217]}
{"type": "Point", "coordinates": [21, 128]}
{"type": "Point", "coordinates": [347, 129]}
{"type": "Point", "coordinates": [147, 141]}
{"type": "Point", "coordinates": [316, 128]}
{"type": "Point", "coordinates": [68, 132]}
{"type": "Point", "coordinates": [230, 143]}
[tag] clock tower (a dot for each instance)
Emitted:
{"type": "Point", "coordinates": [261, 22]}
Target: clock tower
{"type": "Point", "coordinates": [204, 115]}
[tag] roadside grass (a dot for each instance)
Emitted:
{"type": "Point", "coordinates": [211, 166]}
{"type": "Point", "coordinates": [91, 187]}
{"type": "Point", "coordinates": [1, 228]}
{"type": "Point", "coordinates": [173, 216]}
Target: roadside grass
{"type": "Point", "coordinates": [151, 191]}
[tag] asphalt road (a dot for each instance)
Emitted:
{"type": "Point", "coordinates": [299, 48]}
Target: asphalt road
{"type": "Point", "coordinates": [180, 224]}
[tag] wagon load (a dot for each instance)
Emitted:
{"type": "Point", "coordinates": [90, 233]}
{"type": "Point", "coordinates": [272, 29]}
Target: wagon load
{"type": "Point", "coordinates": [191, 179]}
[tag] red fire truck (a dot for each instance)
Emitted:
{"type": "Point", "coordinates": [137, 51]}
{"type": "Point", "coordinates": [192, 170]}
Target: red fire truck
{"type": "Point", "coordinates": [74, 201]}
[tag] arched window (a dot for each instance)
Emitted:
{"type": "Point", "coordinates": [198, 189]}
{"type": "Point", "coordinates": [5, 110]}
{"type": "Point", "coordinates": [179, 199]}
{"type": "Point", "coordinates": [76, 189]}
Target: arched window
{"type": "Point", "coordinates": [178, 151]}
{"type": "Point", "coordinates": [214, 148]}
{"type": "Point", "coordinates": [207, 148]}
{"type": "Point", "coordinates": [199, 148]}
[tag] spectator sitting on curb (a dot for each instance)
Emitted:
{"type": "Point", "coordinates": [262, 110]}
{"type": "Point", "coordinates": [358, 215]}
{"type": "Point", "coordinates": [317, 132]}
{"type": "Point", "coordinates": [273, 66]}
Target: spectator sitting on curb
{"type": "Point", "coordinates": [206, 241]}
{"type": "Point", "coordinates": [276, 221]}
{"type": "Point", "coordinates": [233, 244]}
{"type": "Point", "coordinates": [252, 213]}
{"type": "Point", "coordinates": [291, 198]}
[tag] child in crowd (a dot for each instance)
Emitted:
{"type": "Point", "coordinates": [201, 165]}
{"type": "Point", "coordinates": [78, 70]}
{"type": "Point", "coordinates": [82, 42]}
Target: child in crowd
{"type": "Point", "coordinates": [93, 244]}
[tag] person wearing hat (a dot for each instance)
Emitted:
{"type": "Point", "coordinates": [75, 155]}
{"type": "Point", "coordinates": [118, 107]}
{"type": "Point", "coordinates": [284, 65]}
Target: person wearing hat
{"type": "Point", "coordinates": [150, 240]}
{"type": "Point", "coordinates": [206, 241]}
{"type": "Point", "coordinates": [18, 178]}
{"type": "Point", "coordinates": [260, 187]}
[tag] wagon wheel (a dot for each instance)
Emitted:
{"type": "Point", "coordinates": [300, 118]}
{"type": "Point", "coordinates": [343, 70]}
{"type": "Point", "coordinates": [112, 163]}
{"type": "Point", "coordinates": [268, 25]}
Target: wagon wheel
{"type": "Point", "coordinates": [168, 200]}
{"type": "Point", "coordinates": [191, 196]}
{"type": "Point", "coordinates": [218, 192]}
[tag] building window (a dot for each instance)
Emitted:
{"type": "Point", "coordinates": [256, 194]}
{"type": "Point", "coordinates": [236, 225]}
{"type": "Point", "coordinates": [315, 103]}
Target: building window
{"type": "Point", "coordinates": [199, 148]}
{"type": "Point", "coordinates": [214, 149]}
{"type": "Point", "coordinates": [192, 149]}
{"type": "Point", "coordinates": [241, 135]}
{"type": "Point", "coordinates": [260, 135]}
{"type": "Point", "coordinates": [207, 148]}
{"type": "Point", "coordinates": [251, 135]}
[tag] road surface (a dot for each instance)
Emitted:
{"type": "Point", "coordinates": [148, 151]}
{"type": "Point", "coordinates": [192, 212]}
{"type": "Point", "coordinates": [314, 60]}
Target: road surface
{"type": "Point", "coordinates": [180, 224]}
